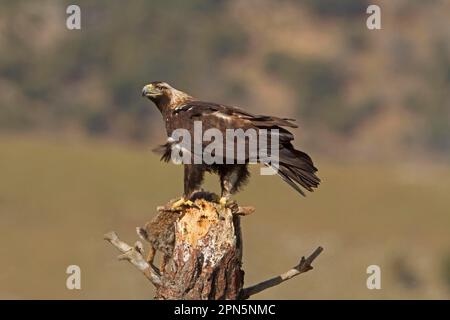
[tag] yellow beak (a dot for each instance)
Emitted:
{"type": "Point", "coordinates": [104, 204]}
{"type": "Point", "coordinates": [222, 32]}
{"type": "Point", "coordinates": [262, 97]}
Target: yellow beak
{"type": "Point", "coordinates": [150, 91]}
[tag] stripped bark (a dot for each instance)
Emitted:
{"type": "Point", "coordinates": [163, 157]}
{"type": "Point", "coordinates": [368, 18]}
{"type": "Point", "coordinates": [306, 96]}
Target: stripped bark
{"type": "Point", "coordinates": [201, 248]}
{"type": "Point", "coordinates": [206, 259]}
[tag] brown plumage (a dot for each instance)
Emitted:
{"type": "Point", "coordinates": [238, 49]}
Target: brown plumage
{"type": "Point", "coordinates": [180, 110]}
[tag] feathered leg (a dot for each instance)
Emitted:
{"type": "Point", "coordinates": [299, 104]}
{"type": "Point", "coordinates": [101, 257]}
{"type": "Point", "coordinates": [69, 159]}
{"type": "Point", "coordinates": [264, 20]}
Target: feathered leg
{"type": "Point", "coordinates": [193, 178]}
{"type": "Point", "coordinates": [232, 177]}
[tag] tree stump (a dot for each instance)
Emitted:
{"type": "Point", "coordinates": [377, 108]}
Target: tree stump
{"type": "Point", "coordinates": [207, 255]}
{"type": "Point", "coordinates": [201, 247]}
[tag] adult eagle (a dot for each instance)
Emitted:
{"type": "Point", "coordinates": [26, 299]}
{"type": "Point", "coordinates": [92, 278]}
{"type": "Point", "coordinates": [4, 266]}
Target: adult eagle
{"type": "Point", "coordinates": [180, 110]}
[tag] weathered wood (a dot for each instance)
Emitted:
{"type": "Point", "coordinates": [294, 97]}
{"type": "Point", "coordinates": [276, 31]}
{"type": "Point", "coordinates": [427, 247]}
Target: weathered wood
{"type": "Point", "coordinates": [303, 266]}
{"type": "Point", "coordinates": [206, 260]}
{"type": "Point", "coordinates": [201, 247]}
{"type": "Point", "coordinates": [134, 256]}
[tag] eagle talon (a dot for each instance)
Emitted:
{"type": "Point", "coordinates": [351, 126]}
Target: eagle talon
{"type": "Point", "coordinates": [178, 204]}
{"type": "Point", "coordinates": [183, 203]}
{"type": "Point", "coordinates": [192, 204]}
{"type": "Point", "coordinates": [223, 201]}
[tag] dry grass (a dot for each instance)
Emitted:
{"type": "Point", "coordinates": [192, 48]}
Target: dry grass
{"type": "Point", "coordinates": [58, 198]}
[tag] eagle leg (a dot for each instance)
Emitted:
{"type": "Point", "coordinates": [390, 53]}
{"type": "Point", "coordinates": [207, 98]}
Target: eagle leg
{"type": "Point", "coordinates": [232, 177]}
{"type": "Point", "coordinates": [193, 178]}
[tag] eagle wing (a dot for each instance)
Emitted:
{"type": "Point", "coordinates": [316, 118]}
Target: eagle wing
{"type": "Point", "coordinates": [295, 167]}
{"type": "Point", "coordinates": [228, 113]}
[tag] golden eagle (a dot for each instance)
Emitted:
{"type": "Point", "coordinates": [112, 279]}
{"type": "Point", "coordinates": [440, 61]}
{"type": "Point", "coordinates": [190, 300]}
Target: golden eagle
{"type": "Point", "coordinates": [180, 110]}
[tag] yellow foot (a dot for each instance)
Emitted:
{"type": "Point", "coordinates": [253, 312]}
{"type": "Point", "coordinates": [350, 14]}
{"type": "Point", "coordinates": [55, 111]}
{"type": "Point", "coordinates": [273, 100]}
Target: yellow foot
{"type": "Point", "coordinates": [182, 203]}
{"type": "Point", "coordinates": [189, 203]}
{"type": "Point", "coordinates": [223, 201]}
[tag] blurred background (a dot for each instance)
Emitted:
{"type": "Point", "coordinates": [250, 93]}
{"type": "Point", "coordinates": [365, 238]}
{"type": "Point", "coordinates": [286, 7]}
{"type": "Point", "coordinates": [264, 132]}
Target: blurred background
{"type": "Point", "coordinates": [373, 109]}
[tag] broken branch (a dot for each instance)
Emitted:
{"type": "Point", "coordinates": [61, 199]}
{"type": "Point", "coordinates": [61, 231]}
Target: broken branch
{"type": "Point", "coordinates": [303, 266]}
{"type": "Point", "coordinates": [134, 256]}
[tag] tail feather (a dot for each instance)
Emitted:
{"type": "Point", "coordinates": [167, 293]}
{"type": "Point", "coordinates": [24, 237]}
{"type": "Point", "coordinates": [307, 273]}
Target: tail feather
{"type": "Point", "coordinates": [285, 174]}
{"type": "Point", "coordinates": [297, 169]}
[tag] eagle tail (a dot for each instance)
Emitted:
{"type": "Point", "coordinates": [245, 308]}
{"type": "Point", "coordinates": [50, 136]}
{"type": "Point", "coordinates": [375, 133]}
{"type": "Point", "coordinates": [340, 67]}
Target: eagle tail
{"type": "Point", "coordinates": [297, 169]}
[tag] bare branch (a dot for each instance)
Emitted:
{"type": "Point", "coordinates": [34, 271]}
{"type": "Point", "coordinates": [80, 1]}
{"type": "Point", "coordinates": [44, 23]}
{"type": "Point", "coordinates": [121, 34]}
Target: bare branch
{"type": "Point", "coordinates": [303, 266]}
{"type": "Point", "coordinates": [244, 211]}
{"type": "Point", "coordinates": [134, 256]}
{"type": "Point", "coordinates": [201, 245]}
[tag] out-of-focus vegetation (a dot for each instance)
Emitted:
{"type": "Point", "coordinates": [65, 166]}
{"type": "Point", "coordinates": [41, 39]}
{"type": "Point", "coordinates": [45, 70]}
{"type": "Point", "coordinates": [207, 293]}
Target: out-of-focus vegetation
{"type": "Point", "coordinates": [374, 93]}
{"type": "Point", "coordinates": [58, 197]}
{"type": "Point", "coordinates": [357, 94]}
{"type": "Point", "coordinates": [446, 271]}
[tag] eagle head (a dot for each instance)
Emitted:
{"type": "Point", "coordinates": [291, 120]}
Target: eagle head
{"type": "Point", "coordinates": [164, 95]}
